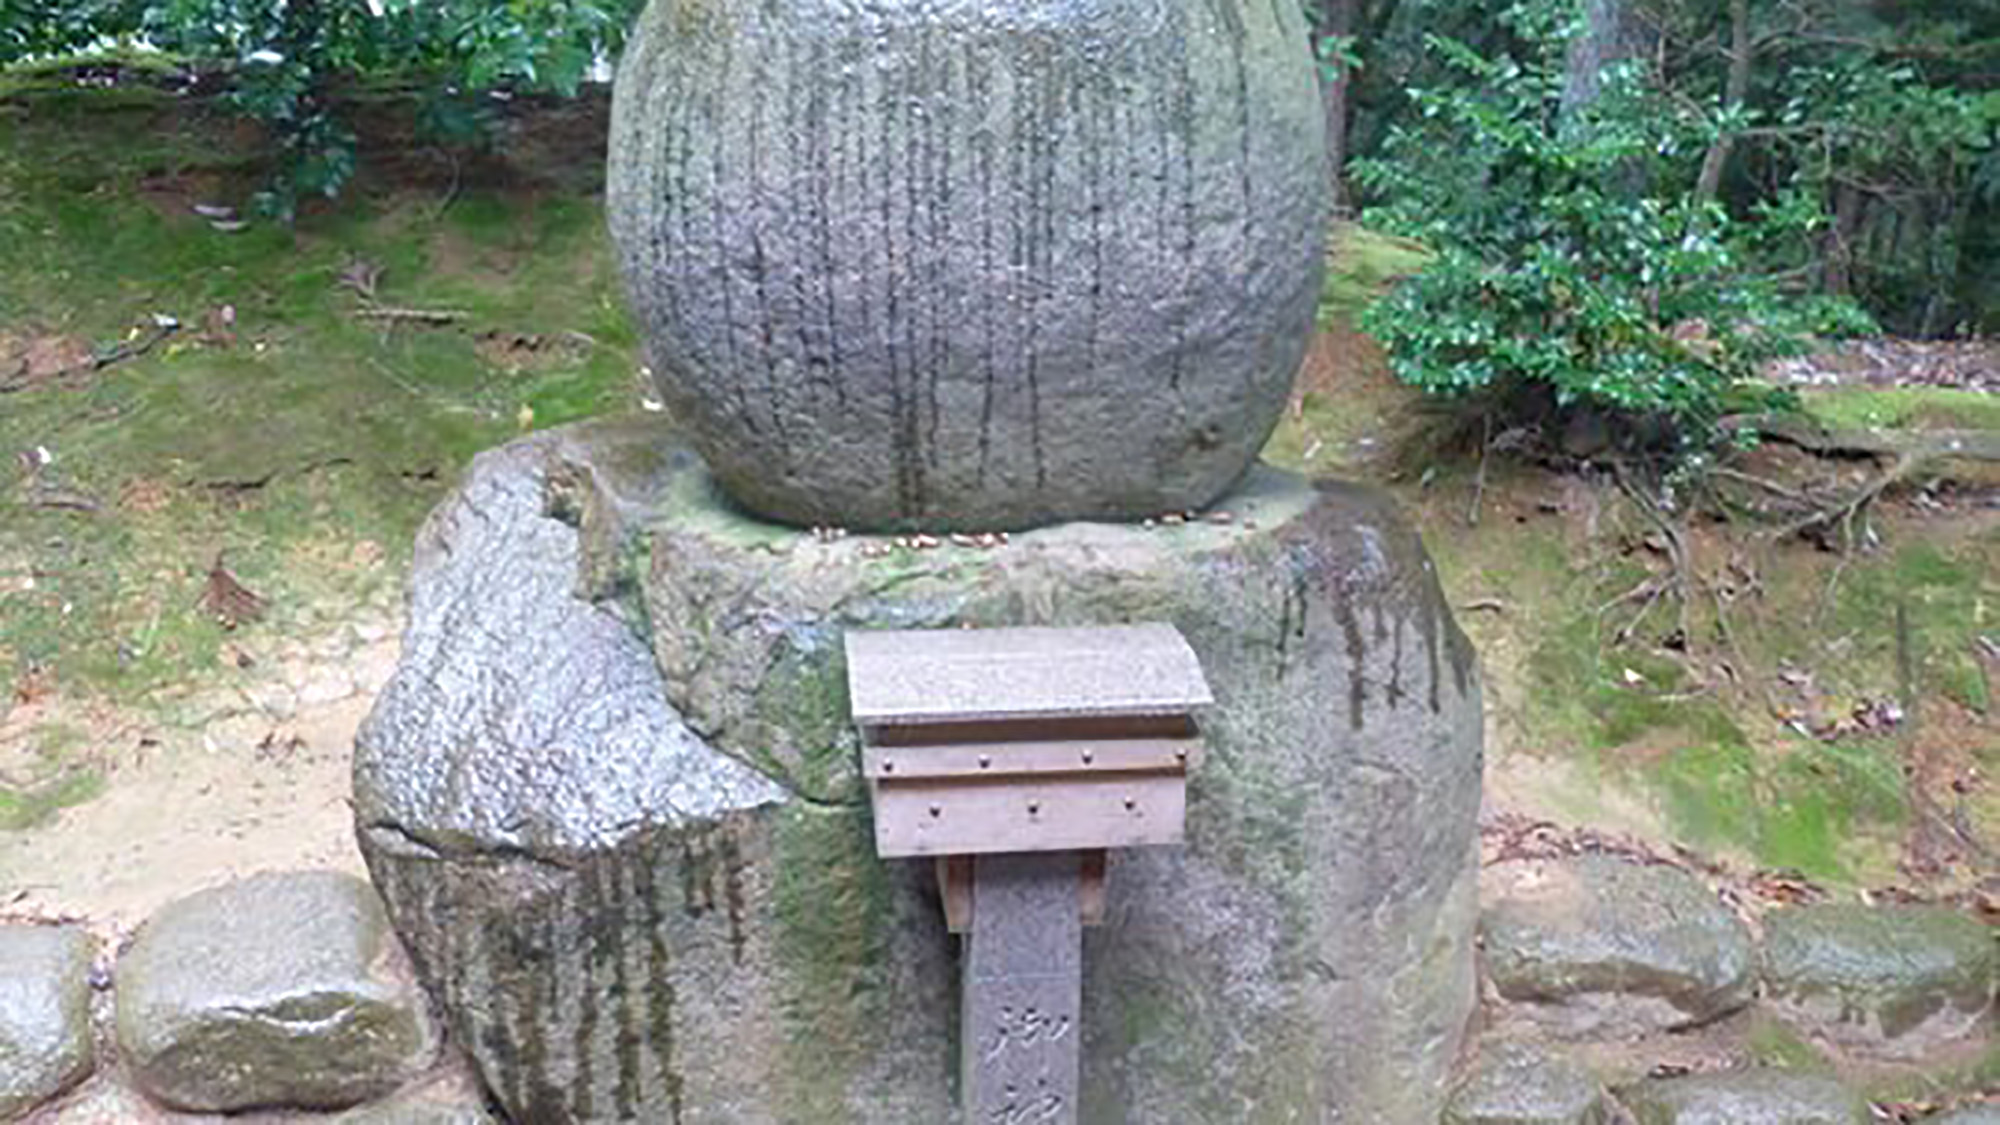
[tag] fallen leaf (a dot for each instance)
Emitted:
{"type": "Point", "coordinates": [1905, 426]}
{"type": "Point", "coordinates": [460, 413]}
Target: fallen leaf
{"type": "Point", "coordinates": [229, 600]}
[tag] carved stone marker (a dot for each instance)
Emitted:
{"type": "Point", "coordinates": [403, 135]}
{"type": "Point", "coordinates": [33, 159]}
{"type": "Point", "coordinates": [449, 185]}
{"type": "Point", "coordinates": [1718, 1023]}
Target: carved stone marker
{"type": "Point", "coordinates": [1023, 998]}
{"type": "Point", "coordinates": [1016, 756]}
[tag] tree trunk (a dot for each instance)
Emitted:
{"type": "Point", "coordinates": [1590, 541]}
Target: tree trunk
{"type": "Point", "coordinates": [1736, 87]}
{"type": "Point", "coordinates": [1335, 20]}
{"type": "Point", "coordinates": [1838, 256]}
{"type": "Point", "coordinates": [1614, 32]}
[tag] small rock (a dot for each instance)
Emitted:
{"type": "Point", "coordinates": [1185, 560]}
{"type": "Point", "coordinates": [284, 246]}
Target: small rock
{"type": "Point", "coordinates": [284, 989]}
{"type": "Point", "coordinates": [275, 701]}
{"type": "Point", "coordinates": [1599, 945]}
{"type": "Point", "coordinates": [1518, 1084]}
{"type": "Point", "coordinates": [1897, 979]}
{"type": "Point", "coordinates": [44, 1014]}
{"type": "Point", "coordinates": [1745, 1097]}
{"type": "Point", "coordinates": [326, 684]}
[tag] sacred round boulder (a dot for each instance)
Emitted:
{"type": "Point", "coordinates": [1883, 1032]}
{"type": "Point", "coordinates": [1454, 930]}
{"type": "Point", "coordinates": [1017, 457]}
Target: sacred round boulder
{"type": "Point", "coordinates": [936, 264]}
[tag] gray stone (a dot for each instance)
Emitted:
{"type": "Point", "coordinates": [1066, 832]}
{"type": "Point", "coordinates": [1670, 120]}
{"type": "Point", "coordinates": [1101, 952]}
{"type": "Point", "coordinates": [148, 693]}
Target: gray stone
{"type": "Point", "coordinates": [704, 930]}
{"type": "Point", "coordinates": [283, 989]}
{"type": "Point", "coordinates": [1894, 979]}
{"type": "Point", "coordinates": [1524, 1084]}
{"type": "Point", "coordinates": [416, 1113]}
{"type": "Point", "coordinates": [1597, 945]}
{"type": "Point", "coordinates": [44, 1014]}
{"type": "Point", "coordinates": [971, 266]}
{"type": "Point", "coordinates": [1745, 1097]}
{"type": "Point", "coordinates": [620, 922]}
{"type": "Point", "coordinates": [1023, 987]}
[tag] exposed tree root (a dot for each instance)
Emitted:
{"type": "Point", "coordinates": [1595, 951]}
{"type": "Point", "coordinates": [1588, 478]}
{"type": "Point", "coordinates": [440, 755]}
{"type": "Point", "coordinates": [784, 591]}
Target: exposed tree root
{"type": "Point", "coordinates": [1910, 454]}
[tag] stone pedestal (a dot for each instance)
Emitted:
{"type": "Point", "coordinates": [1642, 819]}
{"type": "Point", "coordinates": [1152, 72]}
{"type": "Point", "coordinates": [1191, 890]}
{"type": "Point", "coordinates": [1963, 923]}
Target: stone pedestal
{"type": "Point", "coordinates": [612, 800]}
{"type": "Point", "coordinates": [1022, 993]}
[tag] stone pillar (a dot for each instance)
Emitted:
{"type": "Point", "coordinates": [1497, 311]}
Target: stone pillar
{"type": "Point", "coordinates": [1023, 990]}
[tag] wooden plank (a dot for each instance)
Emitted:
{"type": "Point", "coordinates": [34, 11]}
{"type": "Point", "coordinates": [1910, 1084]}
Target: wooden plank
{"type": "Point", "coordinates": [954, 875]}
{"type": "Point", "coordinates": [1092, 870]}
{"type": "Point", "coordinates": [1021, 1033]}
{"type": "Point", "coordinates": [1028, 814]}
{"type": "Point", "coordinates": [900, 677]}
{"type": "Point", "coordinates": [995, 759]}
{"type": "Point", "coordinates": [1042, 729]}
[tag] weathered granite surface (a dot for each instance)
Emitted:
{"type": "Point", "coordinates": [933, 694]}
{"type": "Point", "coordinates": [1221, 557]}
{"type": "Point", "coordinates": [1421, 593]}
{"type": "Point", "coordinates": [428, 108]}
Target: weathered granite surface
{"type": "Point", "coordinates": [1527, 1084]}
{"type": "Point", "coordinates": [620, 922]}
{"type": "Point", "coordinates": [971, 266]}
{"type": "Point", "coordinates": [1745, 1097]}
{"type": "Point", "coordinates": [686, 917]}
{"type": "Point", "coordinates": [1598, 945]}
{"type": "Point", "coordinates": [1306, 953]}
{"type": "Point", "coordinates": [1891, 979]}
{"type": "Point", "coordinates": [283, 989]}
{"type": "Point", "coordinates": [44, 1014]}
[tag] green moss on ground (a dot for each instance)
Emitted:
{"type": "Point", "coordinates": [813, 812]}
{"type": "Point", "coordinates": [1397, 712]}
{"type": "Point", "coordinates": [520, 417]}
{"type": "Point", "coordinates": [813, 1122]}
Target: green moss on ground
{"type": "Point", "coordinates": [1361, 265]}
{"type": "Point", "coordinates": [299, 444]}
{"type": "Point", "coordinates": [1903, 408]}
{"type": "Point", "coordinates": [53, 773]}
{"type": "Point", "coordinates": [1769, 1042]}
{"type": "Point", "coordinates": [1610, 732]}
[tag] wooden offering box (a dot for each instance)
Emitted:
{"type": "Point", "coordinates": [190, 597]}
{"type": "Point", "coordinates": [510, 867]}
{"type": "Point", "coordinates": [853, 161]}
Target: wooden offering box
{"type": "Point", "coordinates": [1026, 740]}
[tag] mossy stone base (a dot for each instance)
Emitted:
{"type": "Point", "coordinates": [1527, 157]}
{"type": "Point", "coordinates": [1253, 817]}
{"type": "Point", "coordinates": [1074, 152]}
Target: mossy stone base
{"type": "Point", "coordinates": [1745, 1097]}
{"type": "Point", "coordinates": [1306, 956]}
{"type": "Point", "coordinates": [640, 876]}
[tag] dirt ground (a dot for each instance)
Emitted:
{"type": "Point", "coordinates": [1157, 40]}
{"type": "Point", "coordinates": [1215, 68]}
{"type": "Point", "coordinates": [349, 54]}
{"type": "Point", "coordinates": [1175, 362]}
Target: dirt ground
{"type": "Point", "coordinates": [258, 780]}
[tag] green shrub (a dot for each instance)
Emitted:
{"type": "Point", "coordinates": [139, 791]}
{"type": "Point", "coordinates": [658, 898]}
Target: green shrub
{"type": "Point", "coordinates": [1574, 263]}
{"type": "Point", "coordinates": [288, 64]}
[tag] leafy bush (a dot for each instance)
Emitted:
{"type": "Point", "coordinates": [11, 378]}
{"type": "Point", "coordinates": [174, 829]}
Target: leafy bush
{"type": "Point", "coordinates": [288, 63]}
{"type": "Point", "coordinates": [1574, 261]}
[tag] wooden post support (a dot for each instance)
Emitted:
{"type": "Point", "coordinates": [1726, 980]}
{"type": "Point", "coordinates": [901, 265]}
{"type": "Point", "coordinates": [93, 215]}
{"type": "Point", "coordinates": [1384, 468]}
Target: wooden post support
{"type": "Point", "coordinates": [1013, 759]}
{"type": "Point", "coordinates": [1021, 1010]}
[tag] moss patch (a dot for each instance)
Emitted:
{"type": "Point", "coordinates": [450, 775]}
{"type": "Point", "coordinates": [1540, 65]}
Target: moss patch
{"type": "Point", "coordinates": [276, 430]}
{"type": "Point", "coordinates": [834, 909]}
{"type": "Point", "coordinates": [1904, 408]}
{"type": "Point", "coordinates": [1362, 264]}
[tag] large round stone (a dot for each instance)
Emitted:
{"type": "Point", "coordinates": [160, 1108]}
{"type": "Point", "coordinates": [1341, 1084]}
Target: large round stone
{"type": "Point", "coordinates": [282, 989]}
{"type": "Point", "coordinates": [644, 884]}
{"type": "Point", "coordinates": [1597, 945]}
{"type": "Point", "coordinates": [971, 265]}
{"type": "Point", "coordinates": [1893, 979]}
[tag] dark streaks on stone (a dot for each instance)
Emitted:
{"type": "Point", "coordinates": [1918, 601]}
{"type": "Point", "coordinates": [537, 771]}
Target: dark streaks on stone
{"type": "Point", "coordinates": [625, 1047]}
{"type": "Point", "coordinates": [660, 1001]}
{"type": "Point", "coordinates": [998, 231]}
{"type": "Point", "coordinates": [600, 931]}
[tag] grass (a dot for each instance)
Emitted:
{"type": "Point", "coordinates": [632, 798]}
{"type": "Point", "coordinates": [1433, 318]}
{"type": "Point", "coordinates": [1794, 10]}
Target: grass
{"type": "Point", "coordinates": [1904, 408]}
{"type": "Point", "coordinates": [304, 452]}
